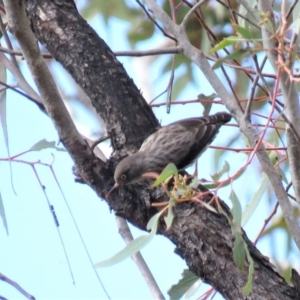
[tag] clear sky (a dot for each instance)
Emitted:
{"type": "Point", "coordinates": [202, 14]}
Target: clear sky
{"type": "Point", "coordinates": [32, 254]}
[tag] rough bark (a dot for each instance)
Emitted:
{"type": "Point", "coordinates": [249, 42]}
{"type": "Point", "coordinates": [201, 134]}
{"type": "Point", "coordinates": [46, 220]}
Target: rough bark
{"type": "Point", "coordinates": [203, 239]}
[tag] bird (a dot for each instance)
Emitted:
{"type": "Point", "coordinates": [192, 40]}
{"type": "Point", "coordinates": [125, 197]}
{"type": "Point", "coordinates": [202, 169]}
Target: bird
{"type": "Point", "coordinates": [180, 143]}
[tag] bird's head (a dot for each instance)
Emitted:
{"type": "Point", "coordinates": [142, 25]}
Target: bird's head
{"type": "Point", "coordinates": [130, 169]}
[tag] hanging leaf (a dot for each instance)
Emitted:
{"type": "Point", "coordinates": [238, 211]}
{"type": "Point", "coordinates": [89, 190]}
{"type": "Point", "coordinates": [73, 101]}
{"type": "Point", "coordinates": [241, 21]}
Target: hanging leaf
{"type": "Point", "coordinates": [184, 284]}
{"type": "Point", "coordinates": [134, 246]}
{"type": "Point", "coordinates": [3, 117]}
{"type": "Point", "coordinates": [193, 289]}
{"type": "Point", "coordinates": [245, 33]}
{"type": "Point", "coordinates": [231, 40]}
{"type": "Point", "coordinates": [239, 251]}
{"type": "Point", "coordinates": [238, 54]}
{"type": "Point", "coordinates": [44, 144]}
{"type": "Point", "coordinates": [2, 214]}
{"type": "Point", "coordinates": [248, 287]}
{"type": "Point", "coordinates": [250, 208]}
{"type": "Point", "coordinates": [170, 216]}
{"type": "Point", "coordinates": [236, 209]}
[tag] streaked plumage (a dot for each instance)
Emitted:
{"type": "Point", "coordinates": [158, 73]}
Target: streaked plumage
{"type": "Point", "coordinates": [181, 143]}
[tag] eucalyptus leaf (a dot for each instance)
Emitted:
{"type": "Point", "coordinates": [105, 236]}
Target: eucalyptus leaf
{"type": "Point", "coordinates": [250, 208]}
{"type": "Point", "coordinates": [2, 214]}
{"type": "Point", "coordinates": [169, 171]}
{"type": "Point", "coordinates": [193, 289]}
{"type": "Point", "coordinates": [248, 287]}
{"type": "Point", "coordinates": [133, 247]}
{"type": "Point", "coordinates": [236, 209]}
{"type": "Point", "coordinates": [44, 144]}
{"type": "Point", "coordinates": [170, 216]}
{"type": "Point", "coordinates": [239, 251]}
{"type": "Point", "coordinates": [245, 33]}
{"type": "Point", "coordinates": [184, 284]}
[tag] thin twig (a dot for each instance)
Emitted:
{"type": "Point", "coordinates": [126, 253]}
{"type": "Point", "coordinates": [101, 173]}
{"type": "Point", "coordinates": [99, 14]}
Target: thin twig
{"type": "Point", "coordinates": [190, 12]}
{"type": "Point", "coordinates": [253, 88]}
{"type": "Point", "coordinates": [38, 103]}
{"type": "Point", "coordinates": [291, 9]}
{"type": "Point", "coordinates": [16, 286]}
{"type": "Point", "coordinates": [169, 50]}
{"type": "Point", "coordinates": [267, 221]}
{"type": "Point", "coordinates": [158, 26]}
{"type": "Point", "coordinates": [98, 141]}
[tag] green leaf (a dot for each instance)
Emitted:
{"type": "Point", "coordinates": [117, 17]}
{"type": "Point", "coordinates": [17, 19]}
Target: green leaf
{"type": "Point", "coordinates": [282, 174]}
{"type": "Point", "coordinates": [216, 177]}
{"type": "Point", "coordinates": [153, 222]}
{"type": "Point", "coordinates": [193, 289]}
{"type": "Point", "coordinates": [236, 209]}
{"type": "Point", "coordinates": [3, 106]}
{"type": "Point", "coordinates": [274, 159]}
{"type": "Point", "coordinates": [3, 117]}
{"type": "Point", "coordinates": [184, 284]}
{"type": "Point", "coordinates": [170, 216]}
{"type": "Point", "coordinates": [209, 207]}
{"type": "Point", "coordinates": [133, 247]}
{"type": "Point", "coordinates": [210, 185]}
{"type": "Point", "coordinates": [44, 144]}
{"type": "Point", "coordinates": [250, 208]}
{"type": "Point", "coordinates": [273, 155]}
{"type": "Point", "coordinates": [169, 171]}
{"type": "Point", "coordinates": [245, 33]}
{"type": "Point", "coordinates": [248, 287]}
{"type": "Point", "coordinates": [239, 251]}
{"type": "Point", "coordinates": [235, 55]}
{"type": "Point", "coordinates": [226, 42]}
{"type": "Point", "coordinates": [2, 214]}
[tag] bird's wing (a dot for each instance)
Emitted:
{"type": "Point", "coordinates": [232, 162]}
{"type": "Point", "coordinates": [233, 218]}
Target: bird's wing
{"type": "Point", "coordinates": [206, 131]}
{"type": "Point", "coordinates": [169, 144]}
{"type": "Point", "coordinates": [184, 141]}
{"type": "Point", "coordinates": [167, 136]}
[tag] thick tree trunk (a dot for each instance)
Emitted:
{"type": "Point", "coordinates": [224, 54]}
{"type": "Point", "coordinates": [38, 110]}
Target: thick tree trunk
{"type": "Point", "coordinates": [203, 239]}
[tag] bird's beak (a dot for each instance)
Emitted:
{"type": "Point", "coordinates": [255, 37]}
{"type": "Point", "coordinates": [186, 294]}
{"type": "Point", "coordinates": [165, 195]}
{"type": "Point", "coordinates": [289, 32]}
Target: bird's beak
{"type": "Point", "coordinates": [113, 188]}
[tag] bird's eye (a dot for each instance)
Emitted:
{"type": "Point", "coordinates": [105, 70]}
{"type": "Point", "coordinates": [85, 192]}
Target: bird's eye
{"type": "Point", "coordinates": [123, 177]}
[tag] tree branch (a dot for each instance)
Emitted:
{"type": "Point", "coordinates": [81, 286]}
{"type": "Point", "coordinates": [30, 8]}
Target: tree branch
{"type": "Point", "coordinates": [289, 92]}
{"type": "Point", "coordinates": [16, 286]}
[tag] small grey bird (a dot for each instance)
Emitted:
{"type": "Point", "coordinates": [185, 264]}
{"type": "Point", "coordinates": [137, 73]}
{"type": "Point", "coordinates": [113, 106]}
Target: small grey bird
{"type": "Point", "coordinates": [180, 143]}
